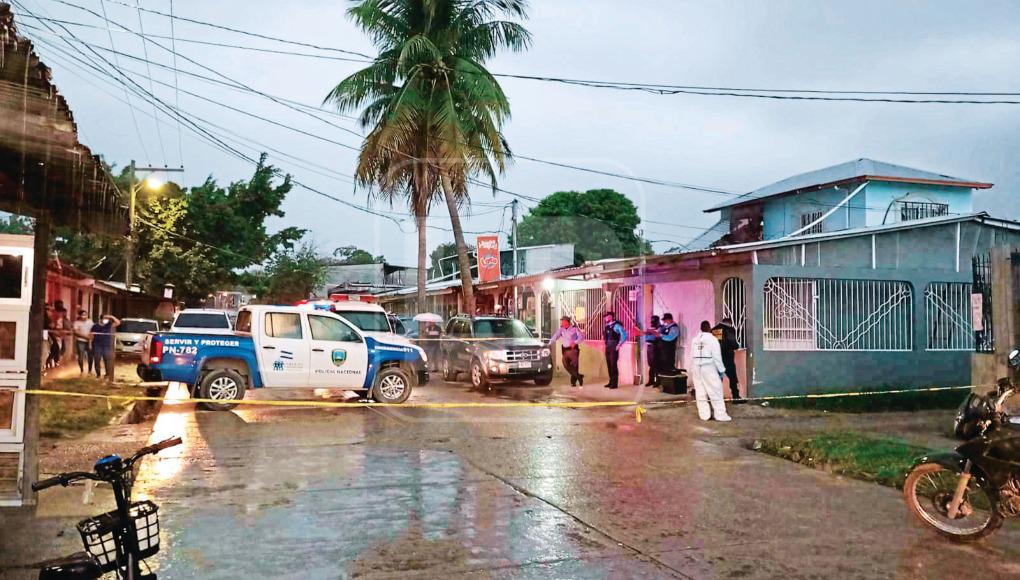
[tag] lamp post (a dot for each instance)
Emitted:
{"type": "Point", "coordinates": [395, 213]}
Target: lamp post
{"type": "Point", "coordinates": [153, 184]}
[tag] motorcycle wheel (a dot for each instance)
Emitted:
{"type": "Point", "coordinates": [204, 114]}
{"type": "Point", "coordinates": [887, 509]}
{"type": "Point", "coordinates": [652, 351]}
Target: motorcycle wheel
{"type": "Point", "coordinates": [928, 490]}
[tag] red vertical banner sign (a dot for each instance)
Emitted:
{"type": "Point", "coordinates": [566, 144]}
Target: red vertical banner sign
{"type": "Point", "coordinates": [488, 259]}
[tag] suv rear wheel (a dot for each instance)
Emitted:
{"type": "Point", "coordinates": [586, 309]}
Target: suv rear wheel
{"type": "Point", "coordinates": [221, 384]}
{"type": "Point", "coordinates": [479, 379]}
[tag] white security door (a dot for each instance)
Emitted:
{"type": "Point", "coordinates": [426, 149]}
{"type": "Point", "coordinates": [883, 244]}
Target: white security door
{"type": "Point", "coordinates": [339, 355]}
{"type": "Point", "coordinates": [283, 350]}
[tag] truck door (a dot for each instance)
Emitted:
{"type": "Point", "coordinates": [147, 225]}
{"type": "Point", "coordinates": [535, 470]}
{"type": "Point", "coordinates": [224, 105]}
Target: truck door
{"type": "Point", "coordinates": [283, 350]}
{"type": "Point", "coordinates": [339, 355]}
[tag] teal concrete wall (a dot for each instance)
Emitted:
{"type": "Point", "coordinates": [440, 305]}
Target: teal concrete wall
{"type": "Point", "coordinates": [918, 257]}
{"type": "Point", "coordinates": [871, 207]}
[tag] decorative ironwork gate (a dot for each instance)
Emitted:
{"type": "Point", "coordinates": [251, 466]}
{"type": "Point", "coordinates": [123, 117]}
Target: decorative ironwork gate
{"type": "Point", "coordinates": [947, 312]}
{"type": "Point", "coordinates": [984, 338]}
{"type": "Point", "coordinates": [837, 314]}
{"type": "Point", "coordinates": [734, 305]}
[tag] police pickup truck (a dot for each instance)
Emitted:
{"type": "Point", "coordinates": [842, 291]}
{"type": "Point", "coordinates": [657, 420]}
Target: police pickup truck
{"type": "Point", "coordinates": [284, 347]}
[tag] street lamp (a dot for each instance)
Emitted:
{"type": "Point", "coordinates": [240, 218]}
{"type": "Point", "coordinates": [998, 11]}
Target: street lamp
{"type": "Point", "coordinates": [152, 183]}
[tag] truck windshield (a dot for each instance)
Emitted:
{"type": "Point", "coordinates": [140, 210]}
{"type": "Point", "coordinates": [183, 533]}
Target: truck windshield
{"type": "Point", "coordinates": [201, 320]}
{"type": "Point", "coordinates": [138, 326]}
{"type": "Point", "coordinates": [501, 328]}
{"type": "Point", "coordinates": [367, 321]}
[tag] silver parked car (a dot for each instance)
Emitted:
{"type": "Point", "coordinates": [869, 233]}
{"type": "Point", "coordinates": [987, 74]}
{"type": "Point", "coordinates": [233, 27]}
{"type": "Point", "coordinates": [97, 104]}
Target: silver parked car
{"type": "Point", "coordinates": [131, 335]}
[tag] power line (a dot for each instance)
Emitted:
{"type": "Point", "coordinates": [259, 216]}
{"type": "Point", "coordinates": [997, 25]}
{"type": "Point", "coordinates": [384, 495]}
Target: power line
{"type": "Point", "coordinates": [231, 29]}
{"type": "Point", "coordinates": [131, 108]}
{"type": "Point", "coordinates": [177, 92]}
{"type": "Point", "coordinates": [659, 88]}
{"type": "Point", "coordinates": [145, 53]}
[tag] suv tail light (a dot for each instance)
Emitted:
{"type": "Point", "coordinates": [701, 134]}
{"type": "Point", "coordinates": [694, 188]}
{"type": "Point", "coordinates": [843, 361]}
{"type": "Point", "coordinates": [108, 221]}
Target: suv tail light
{"type": "Point", "coordinates": [156, 351]}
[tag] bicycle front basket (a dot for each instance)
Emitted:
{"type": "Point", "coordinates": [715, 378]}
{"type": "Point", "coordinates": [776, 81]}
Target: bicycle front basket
{"type": "Point", "coordinates": [99, 533]}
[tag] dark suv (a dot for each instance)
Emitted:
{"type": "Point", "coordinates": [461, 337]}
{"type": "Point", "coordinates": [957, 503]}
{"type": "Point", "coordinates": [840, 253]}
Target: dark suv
{"type": "Point", "coordinates": [494, 348]}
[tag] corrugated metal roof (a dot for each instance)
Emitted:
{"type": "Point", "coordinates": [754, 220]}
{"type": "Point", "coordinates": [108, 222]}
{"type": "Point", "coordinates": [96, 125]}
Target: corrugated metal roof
{"type": "Point", "coordinates": [858, 168]}
{"type": "Point", "coordinates": [708, 237]}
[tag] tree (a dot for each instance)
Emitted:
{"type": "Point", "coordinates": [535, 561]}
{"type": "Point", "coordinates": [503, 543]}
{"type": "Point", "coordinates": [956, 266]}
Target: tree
{"type": "Point", "coordinates": [291, 275]}
{"type": "Point", "coordinates": [599, 222]}
{"type": "Point", "coordinates": [198, 239]}
{"type": "Point", "coordinates": [15, 224]}
{"type": "Point", "coordinates": [353, 255]}
{"type": "Point", "coordinates": [434, 111]}
{"type": "Point", "coordinates": [440, 267]}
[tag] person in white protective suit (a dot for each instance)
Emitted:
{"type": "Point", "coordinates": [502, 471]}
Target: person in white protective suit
{"type": "Point", "coordinates": [707, 372]}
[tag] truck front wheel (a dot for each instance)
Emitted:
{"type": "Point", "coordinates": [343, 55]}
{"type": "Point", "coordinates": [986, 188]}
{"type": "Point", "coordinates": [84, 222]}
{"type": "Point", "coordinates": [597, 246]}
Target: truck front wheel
{"type": "Point", "coordinates": [392, 385]}
{"type": "Point", "coordinates": [221, 384]}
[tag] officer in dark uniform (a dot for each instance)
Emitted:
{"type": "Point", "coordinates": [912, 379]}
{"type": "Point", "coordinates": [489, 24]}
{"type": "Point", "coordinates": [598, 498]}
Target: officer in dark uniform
{"type": "Point", "coordinates": [615, 337]}
{"type": "Point", "coordinates": [727, 335]}
{"type": "Point", "coordinates": [651, 346]}
{"type": "Point", "coordinates": [669, 335]}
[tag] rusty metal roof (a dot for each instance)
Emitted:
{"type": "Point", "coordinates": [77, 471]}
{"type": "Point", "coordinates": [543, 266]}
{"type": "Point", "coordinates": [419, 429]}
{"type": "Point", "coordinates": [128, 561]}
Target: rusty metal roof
{"type": "Point", "coordinates": [44, 168]}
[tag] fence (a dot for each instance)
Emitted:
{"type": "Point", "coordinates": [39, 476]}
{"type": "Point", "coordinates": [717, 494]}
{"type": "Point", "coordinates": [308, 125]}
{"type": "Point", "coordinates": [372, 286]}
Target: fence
{"type": "Point", "coordinates": [803, 314]}
{"type": "Point", "coordinates": [735, 306]}
{"type": "Point", "coordinates": [984, 337]}
{"type": "Point", "coordinates": [947, 313]}
{"type": "Point", "coordinates": [588, 308]}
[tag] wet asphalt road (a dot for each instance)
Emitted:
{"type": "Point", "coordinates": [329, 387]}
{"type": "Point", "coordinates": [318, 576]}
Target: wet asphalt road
{"type": "Point", "coordinates": [265, 492]}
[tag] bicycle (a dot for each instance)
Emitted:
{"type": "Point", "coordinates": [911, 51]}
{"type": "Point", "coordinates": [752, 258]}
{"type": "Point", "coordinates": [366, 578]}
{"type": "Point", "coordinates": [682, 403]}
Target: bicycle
{"type": "Point", "coordinates": [115, 541]}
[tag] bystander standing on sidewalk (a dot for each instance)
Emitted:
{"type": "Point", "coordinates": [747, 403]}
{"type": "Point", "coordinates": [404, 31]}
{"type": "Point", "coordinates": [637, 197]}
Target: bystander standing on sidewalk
{"type": "Point", "coordinates": [102, 344]}
{"type": "Point", "coordinates": [83, 341]}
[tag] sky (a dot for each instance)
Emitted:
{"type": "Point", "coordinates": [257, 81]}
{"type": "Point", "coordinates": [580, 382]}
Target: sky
{"type": "Point", "coordinates": [727, 143]}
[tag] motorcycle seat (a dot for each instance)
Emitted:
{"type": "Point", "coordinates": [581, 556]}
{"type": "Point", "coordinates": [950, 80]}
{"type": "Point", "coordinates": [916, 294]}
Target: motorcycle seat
{"type": "Point", "coordinates": [76, 566]}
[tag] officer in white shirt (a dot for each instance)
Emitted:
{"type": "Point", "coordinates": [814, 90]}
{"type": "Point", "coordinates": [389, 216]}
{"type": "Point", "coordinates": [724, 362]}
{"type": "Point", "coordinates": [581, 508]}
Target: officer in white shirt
{"type": "Point", "coordinates": [707, 371]}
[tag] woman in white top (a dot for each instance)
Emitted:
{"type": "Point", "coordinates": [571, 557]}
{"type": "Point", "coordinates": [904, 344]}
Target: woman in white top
{"type": "Point", "coordinates": [707, 371]}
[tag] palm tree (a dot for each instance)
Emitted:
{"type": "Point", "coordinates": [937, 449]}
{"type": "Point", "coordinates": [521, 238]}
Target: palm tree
{"type": "Point", "coordinates": [435, 113]}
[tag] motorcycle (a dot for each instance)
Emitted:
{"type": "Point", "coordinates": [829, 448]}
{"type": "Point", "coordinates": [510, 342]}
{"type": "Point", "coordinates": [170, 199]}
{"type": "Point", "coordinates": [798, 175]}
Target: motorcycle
{"type": "Point", "coordinates": [966, 494]}
{"type": "Point", "coordinates": [115, 541]}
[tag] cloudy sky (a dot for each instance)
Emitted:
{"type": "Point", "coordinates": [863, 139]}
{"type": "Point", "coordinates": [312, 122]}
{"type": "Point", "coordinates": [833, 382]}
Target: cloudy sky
{"type": "Point", "coordinates": [733, 144]}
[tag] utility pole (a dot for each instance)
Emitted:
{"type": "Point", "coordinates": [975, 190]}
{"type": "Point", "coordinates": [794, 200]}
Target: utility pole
{"type": "Point", "coordinates": [513, 234]}
{"type": "Point", "coordinates": [136, 186]}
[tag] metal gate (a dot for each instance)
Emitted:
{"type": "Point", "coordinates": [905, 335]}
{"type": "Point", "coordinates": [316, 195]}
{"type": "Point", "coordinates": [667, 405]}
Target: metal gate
{"type": "Point", "coordinates": [984, 337]}
{"type": "Point", "coordinates": [735, 306]}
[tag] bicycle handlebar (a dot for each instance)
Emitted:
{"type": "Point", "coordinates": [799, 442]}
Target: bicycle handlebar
{"type": "Point", "coordinates": [63, 479]}
{"type": "Point", "coordinates": [154, 448]}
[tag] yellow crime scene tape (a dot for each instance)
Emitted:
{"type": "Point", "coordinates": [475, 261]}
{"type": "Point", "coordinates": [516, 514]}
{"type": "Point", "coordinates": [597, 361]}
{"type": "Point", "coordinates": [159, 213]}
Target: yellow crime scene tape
{"type": "Point", "coordinates": [639, 406]}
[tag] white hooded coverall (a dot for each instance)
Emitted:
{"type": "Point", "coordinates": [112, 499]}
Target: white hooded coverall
{"type": "Point", "coordinates": [707, 371]}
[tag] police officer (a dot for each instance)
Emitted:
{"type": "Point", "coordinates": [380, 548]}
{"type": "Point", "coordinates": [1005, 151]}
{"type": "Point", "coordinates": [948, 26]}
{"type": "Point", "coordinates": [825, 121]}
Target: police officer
{"type": "Point", "coordinates": [571, 338]}
{"type": "Point", "coordinates": [669, 334]}
{"type": "Point", "coordinates": [615, 337]}
{"type": "Point", "coordinates": [651, 348]}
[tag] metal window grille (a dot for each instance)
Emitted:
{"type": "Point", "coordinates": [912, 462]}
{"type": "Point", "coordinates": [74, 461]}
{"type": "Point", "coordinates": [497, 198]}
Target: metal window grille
{"type": "Point", "coordinates": [947, 312]}
{"type": "Point", "coordinates": [735, 306]}
{"type": "Point", "coordinates": [586, 307]}
{"type": "Point", "coordinates": [918, 210]}
{"type": "Point", "coordinates": [835, 314]}
{"type": "Point", "coordinates": [807, 218]}
{"type": "Point", "coordinates": [984, 339]}
{"type": "Point", "coordinates": [625, 304]}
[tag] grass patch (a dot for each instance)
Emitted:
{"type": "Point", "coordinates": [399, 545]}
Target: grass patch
{"type": "Point", "coordinates": [882, 460]}
{"type": "Point", "coordinates": [877, 402]}
{"type": "Point", "coordinates": [74, 416]}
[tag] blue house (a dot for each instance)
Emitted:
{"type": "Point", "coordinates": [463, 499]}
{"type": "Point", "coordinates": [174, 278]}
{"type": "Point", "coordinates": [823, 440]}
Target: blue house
{"type": "Point", "coordinates": [856, 194]}
{"type": "Point", "coordinates": [855, 275]}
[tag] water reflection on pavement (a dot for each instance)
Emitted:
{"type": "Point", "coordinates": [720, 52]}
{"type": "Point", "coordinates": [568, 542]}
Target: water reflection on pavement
{"type": "Point", "coordinates": [267, 492]}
